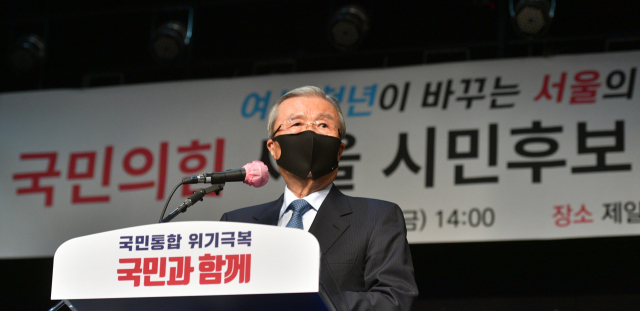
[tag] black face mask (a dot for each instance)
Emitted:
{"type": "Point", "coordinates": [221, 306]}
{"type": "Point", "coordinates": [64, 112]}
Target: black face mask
{"type": "Point", "coordinates": [308, 152]}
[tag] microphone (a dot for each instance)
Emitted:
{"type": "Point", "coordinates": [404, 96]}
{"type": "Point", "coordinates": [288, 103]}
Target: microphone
{"type": "Point", "coordinates": [253, 174]}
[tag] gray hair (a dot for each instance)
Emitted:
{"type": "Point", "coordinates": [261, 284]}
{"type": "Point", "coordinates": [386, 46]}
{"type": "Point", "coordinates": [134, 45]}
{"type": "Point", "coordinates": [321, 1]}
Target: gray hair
{"type": "Point", "coordinates": [305, 91]}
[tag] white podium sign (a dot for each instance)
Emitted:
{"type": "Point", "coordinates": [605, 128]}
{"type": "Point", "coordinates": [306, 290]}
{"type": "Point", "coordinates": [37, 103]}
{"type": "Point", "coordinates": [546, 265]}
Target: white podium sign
{"type": "Point", "coordinates": [187, 259]}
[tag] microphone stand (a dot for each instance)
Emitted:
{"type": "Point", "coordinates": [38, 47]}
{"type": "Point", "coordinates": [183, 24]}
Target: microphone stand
{"type": "Point", "coordinates": [57, 306]}
{"type": "Point", "coordinates": [197, 195]}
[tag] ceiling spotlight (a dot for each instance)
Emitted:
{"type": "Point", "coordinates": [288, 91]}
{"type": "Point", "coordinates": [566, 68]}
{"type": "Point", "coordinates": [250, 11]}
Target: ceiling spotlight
{"type": "Point", "coordinates": [27, 54]}
{"type": "Point", "coordinates": [348, 28]}
{"type": "Point", "coordinates": [169, 41]}
{"type": "Point", "coordinates": [532, 18]}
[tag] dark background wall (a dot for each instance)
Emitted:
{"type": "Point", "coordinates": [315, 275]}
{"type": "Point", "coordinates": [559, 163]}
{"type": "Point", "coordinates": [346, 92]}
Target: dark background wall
{"type": "Point", "coordinates": [102, 42]}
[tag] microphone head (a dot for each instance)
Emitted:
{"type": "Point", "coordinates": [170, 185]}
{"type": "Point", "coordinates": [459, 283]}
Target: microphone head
{"type": "Point", "coordinates": [257, 174]}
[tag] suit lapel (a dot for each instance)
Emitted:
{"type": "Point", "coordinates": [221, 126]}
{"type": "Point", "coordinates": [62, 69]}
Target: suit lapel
{"type": "Point", "coordinates": [271, 214]}
{"type": "Point", "coordinates": [328, 224]}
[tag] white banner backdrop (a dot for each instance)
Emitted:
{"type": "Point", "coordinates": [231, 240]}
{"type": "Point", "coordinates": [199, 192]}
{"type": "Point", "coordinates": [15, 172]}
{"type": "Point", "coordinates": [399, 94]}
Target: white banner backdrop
{"type": "Point", "coordinates": [537, 148]}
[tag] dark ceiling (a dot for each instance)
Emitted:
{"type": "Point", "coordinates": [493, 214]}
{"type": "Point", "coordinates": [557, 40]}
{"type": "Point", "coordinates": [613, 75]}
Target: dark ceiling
{"type": "Point", "coordinates": [101, 42]}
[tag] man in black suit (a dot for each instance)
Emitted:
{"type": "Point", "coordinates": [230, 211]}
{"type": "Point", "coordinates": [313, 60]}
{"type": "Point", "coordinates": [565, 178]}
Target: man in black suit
{"type": "Point", "coordinates": [362, 240]}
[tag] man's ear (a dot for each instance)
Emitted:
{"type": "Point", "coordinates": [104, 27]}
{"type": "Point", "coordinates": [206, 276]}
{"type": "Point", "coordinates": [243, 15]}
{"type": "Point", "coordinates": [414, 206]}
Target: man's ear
{"type": "Point", "coordinates": [274, 149]}
{"type": "Point", "coordinates": [340, 151]}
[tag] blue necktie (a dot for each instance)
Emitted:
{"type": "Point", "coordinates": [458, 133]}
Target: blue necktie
{"type": "Point", "coordinates": [299, 207]}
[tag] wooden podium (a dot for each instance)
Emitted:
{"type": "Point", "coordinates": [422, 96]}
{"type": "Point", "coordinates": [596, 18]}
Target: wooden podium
{"type": "Point", "coordinates": [193, 266]}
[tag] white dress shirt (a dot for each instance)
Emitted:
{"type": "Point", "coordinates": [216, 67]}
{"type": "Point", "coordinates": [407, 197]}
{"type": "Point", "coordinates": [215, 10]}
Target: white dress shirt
{"type": "Point", "coordinates": [314, 199]}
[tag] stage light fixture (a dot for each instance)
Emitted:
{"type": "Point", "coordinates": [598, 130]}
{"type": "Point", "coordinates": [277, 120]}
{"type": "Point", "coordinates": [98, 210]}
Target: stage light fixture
{"type": "Point", "coordinates": [170, 41]}
{"type": "Point", "coordinates": [348, 28]}
{"type": "Point", "coordinates": [27, 54]}
{"type": "Point", "coordinates": [532, 18]}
